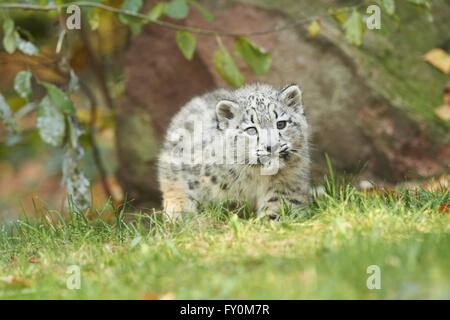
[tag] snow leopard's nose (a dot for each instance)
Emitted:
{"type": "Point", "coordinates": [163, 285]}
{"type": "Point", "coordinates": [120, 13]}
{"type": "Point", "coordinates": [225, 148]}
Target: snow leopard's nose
{"type": "Point", "coordinates": [273, 148]}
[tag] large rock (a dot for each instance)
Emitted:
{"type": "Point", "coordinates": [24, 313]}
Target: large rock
{"type": "Point", "coordinates": [369, 107]}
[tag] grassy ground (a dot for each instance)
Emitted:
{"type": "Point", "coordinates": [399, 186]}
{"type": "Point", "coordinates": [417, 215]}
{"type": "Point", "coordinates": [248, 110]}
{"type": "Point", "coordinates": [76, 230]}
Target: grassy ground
{"type": "Point", "coordinates": [322, 252]}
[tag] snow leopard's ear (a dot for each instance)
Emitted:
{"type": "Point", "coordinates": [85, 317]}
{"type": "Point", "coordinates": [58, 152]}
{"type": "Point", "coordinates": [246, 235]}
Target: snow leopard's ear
{"type": "Point", "coordinates": [292, 96]}
{"type": "Point", "coordinates": [226, 110]}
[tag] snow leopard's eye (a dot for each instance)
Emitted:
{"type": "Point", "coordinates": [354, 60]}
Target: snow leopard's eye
{"type": "Point", "coordinates": [251, 131]}
{"type": "Point", "coordinates": [281, 125]}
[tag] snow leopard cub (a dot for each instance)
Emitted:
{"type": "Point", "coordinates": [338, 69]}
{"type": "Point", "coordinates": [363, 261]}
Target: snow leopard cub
{"type": "Point", "coordinates": [247, 145]}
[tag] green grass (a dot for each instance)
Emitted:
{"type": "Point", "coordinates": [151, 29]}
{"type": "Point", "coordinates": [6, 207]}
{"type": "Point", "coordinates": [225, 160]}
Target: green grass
{"type": "Point", "coordinates": [322, 252]}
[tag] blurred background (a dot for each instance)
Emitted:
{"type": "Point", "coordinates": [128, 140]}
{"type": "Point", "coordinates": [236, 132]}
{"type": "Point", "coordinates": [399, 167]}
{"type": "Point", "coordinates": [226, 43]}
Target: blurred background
{"type": "Point", "coordinates": [378, 101]}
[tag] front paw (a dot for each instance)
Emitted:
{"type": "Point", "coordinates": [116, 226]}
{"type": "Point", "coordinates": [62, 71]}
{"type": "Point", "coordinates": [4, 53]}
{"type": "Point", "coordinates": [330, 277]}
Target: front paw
{"type": "Point", "coordinates": [270, 215]}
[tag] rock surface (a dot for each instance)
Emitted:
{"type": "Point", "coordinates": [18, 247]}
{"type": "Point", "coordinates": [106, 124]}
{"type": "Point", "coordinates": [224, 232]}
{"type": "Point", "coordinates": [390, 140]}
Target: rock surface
{"type": "Point", "coordinates": [370, 108]}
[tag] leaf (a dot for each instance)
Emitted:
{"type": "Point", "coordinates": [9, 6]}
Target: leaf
{"type": "Point", "coordinates": [426, 6]}
{"type": "Point", "coordinates": [134, 23]}
{"type": "Point", "coordinates": [186, 42]}
{"type": "Point", "coordinates": [444, 208]}
{"type": "Point", "coordinates": [354, 28]}
{"type": "Point", "coordinates": [50, 122]}
{"type": "Point", "coordinates": [176, 9]}
{"type": "Point", "coordinates": [421, 3]}
{"type": "Point", "coordinates": [59, 98]}
{"type": "Point", "coordinates": [132, 6]}
{"type": "Point", "coordinates": [314, 28]}
{"type": "Point", "coordinates": [443, 112]}
{"type": "Point", "coordinates": [256, 58]}
{"type": "Point", "coordinates": [6, 116]}
{"type": "Point", "coordinates": [9, 37]}
{"type": "Point", "coordinates": [389, 6]}
{"type": "Point", "coordinates": [227, 69]}
{"type": "Point", "coordinates": [164, 296]}
{"type": "Point", "coordinates": [156, 12]}
{"type": "Point", "coordinates": [22, 84]}
{"type": "Point", "coordinates": [14, 280]}
{"type": "Point", "coordinates": [340, 15]}
{"type": "Point", "coordinates": [25, 46]}
{"type": "Point", "coordinates": [206, 14]}
{"type": "Point", "coordinates": [33, 259]}
{"type": "Point", "coordinates": [439, 59]}
{"type": "Point", "coordinates": [93, 16]}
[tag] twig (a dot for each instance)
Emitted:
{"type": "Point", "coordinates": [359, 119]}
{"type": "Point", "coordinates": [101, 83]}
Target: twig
{"type": "Point", "coordinates": [95, 149]}
{"type": "Point", "coordinates": [97, 68]}
{"type": "Point", "coordinates": [166, 24]}
{"type": "Point", "coordinates": [26, 109]}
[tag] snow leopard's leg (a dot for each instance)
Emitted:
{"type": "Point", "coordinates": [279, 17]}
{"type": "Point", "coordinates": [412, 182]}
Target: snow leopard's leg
{"type": "Point", "coordinates": [175, 199]}
{"type": "Point", "coordinates": [295, 197]}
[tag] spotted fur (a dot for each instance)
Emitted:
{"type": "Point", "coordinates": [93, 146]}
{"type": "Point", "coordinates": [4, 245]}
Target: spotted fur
{"type": "Point", "coordinates": [262, 127]}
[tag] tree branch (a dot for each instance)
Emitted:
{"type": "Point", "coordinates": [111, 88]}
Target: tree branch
{"type": "Point", "coordinates": [97, 68]}
{"type": "Point", "coordinates": [95, 149]}
{"type": "Point", "coordinates": [166, 24]}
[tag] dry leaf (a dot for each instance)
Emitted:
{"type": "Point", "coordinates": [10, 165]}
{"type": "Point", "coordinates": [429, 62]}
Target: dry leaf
{"type": "Point", "coordinates": [15, 280]}
{"type": "Point", "coordinates": [444, 207]}
{"type": "Point", "coordinates": [150, 296]}
{"type": "Point", "coordinates": [314, 28]}
{"type": "Point", "coordinates": [153, 296]}
{"type": "Point", "coordinates": [439, 59]}
{"type": "Point", "coordinates": [33, 259]}
{"type": "Point", "coordinates": [443, 112]}
{"type": "Point", "coordinates": [438, 183]}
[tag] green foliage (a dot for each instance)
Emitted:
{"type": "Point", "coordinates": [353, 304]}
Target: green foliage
{"type": "Point", "coordinates": [59, 98]}
{"type": "Point", "coordinates": [9, 37]}
{"type": "Point", "coordinates": [7, 118]}
{"type": "Point", "coordinates": [354, 28]}
{"type": "Point", "coordinates": [156, 11]}
{"type": "Point", "coordinates": [93, 17]}
{"type": "Point", "coordinates": [134, 23]}
{"type": "Point", "coordinates": [421, 3]}
{"type": "Point", "coordinates": [50, 122]}
{"type": "Point", "coordinates": [57, 126]}
{"type": "Point", "coordinates": [176, 9]}
{"type": "Point", "coordinates": [22, 84]}
{"type": "Point", "coordinates": [206, 14]}
{"type": "Point", "coordinates": [132, 6]}
{"type": "Point", "coordinates": [389, 6]}
{"type": "Point", "coordinates": [26, 47]}
{"type": "Point", "coordinates": [5, 110]}
{"type": "Point", "coordinates": [227, 68]}
{"type": "Point", "coordinates": [340, 15]}
{"type": "Point", "coordinates": [186, 42]}
{"type": "Point", "coordinates": [256, 58]}
{"type": "Point", "coordinates": [13, 41]}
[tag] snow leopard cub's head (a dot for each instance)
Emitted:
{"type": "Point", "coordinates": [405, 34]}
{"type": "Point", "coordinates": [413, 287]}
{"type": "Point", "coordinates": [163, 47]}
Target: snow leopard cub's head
{"type": "Point", "coordinates": [268, 126]}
